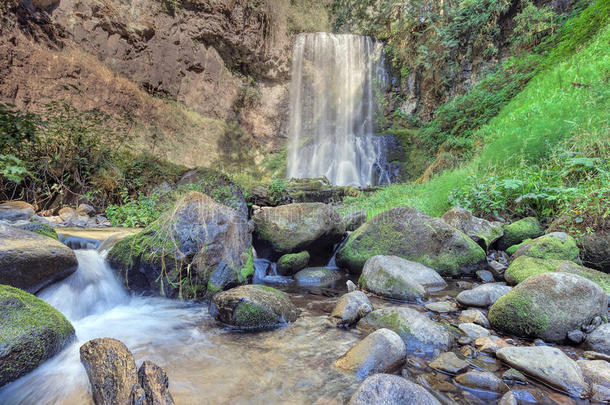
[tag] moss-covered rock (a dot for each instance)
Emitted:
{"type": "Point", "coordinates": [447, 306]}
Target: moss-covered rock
{"type": "Point", "coordinates": [548, 306]}
{"type": "Point", "coordinates": [318, 276]}
{"type": "Point", "coordinates": [407, 233]}
{"type": "Point", "coordinates": [40, 229]}
{"type": "Point", "coordinates": [556, 245]}
{"type": "Point", "coordinates": [512, 249]}
{"type": "Point", "coordinates": [483, 232]}
{"type": "Point", "coordinates": [518, 231]}
{"type": "Point", "coordinates": [290, 263]}
{"type": "Point", "coordinates": [31, 331]}
{"type": "Point", "coordinates": [253, 307]}
{"type": "Point", "coordinates": [525, 266]}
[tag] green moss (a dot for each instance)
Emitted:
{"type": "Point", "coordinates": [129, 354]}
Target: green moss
{"type": "Point", "coordinates": [272, 290]}
{"type": "Point", "coordinates": [518, 231]}
{"type": "Point", "coordinates": [515, 313]}
{"type": "Point", "coordinates": [248, 314]}
{"type": "Point", "coordinates": [248, 270]}
{"type": "Point", "coordinates": [551, 246]}
{"type": "Point", "coordinates": [512, 249]}
{"type": "Point", "coordinates": [292, 262]}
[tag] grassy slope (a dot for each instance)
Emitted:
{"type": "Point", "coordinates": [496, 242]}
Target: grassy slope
{"type": "Point", "coordinates": [548, 110]}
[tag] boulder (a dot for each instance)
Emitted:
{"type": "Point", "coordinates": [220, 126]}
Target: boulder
{"type": "Point", "coordinates": [31, 331]}
{"type": "Point", "coordinates": [155, 384]}
{"type": "Point", "coordinates": [482, 380]}
{"type": "Point", "coordinates": [419, 333]}
{"type": "Point", "coordinates": [388, 389]}
{"type": "Point", "coordinates": [547, 364]}
{"type": "Point", "coordinates": [297, 227]}
{"type": "Point", "coordinates": [318, 276]}
{"type": "Point", "coordinates": [599, 339]}
{"type": "Point", "coordinates": [381, 351]}
{"type": "Point", "coordinates": [597, 374]}
{"type": "Point", "coordinates": [393, 277]}
{"type": "Point", "coordinates": [16, 211]}
{"type": "Point", "coordinates": [354, 220]}
{"type": "Point", "coordinates": [31, 261]}
{"type": "Point", "coordinates": [407, 233]}
{"type": "Point", "coordinates": [474, 316]}
{"type": "Point", "coordinates": [290, 263]}
{"type": "Point", "coordinates": [549, 306]}
{"type": "Point", "coordinates": [518, 231]}
{"type": "Point", "coordinates": [555, 245]}
{"type": "Point", "coordinates": [483, 232]}
{"type": "Point", "coordinates": [449, 362]}
{"type": "Point", "coordinates": [473, 330]}
{"type": "Point", "coordinates": [253, 307]}
{"type": "Point", "coordinates": [483, 295]}
{"type": "Point", "coordinates": [350, 308]}
{"type": "Point", "coordinates": [198, 246]}
{"type": "Point", "coordinates": [595, 250]}
{"type": "Point", "coordinates": [525, 266]}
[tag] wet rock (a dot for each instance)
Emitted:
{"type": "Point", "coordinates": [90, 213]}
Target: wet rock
{"type": "Point", "coordinates": [474, 316]}
{"type": "Point", "coordinates": [483, 295]}
{"type": "Point", "coordinates": [350, 308]}
{"type": "Point", "coordinates": [508, 399]}
{"type": "Point", "coordinates": [354, 220]}
{"type": "Point", "coordinates": [482, 380]}
{"type": "Point", "coordinates": [514, 376]}
{"type": "Point", "coordinates": [111, 370]}
{"type": "Point", "coordinates": [517, 232]}
{"type": "Point", "coordinates": [419, 333]}
{"type": "Point", "coordinates": [481, 231]}
{"type": "Point", "coordinates": [407, 233]}
{"type": "Point", "coordinates": [496, 268]}
{"type": "Point", "coordinates": [597, 374]}
{"type": "Point", "coordinates": [489, 344]}
{"type": "Point", "coordinates": [449, 363]}
{"type": "Point", "coordinates": [297, 227]}
{"type": "Point", "coordinates": [576, 336]}
{"type": "Point", "coordinates": [387, 389]}
{"type": "Point", "coordinates": [290, 263]}
{"type": "Point", "coordinates": [442, 306]}
{"type": "Point", "coordinates": [31, 331]}
{"type": "Point", "coordinates": [12, 211]}
{"type": "Point", "coordinates": [473, 330]}
{"type": "Point", "coordinates": [596, 355]}
{"type": "Point", "coordinates": [381, 351]}
{"type": "Point", "coordinates": [31, 261]}
{"type": "Point", "coordinates": [253, 307]}
{"type": "Point", "coordinates": [436, 382]}
{"type": "Point", "coordinates": [485, 276]}
{"type": "Point", "coordinates": [155, 384]}
{"type": "Point", "coordinates": [555, 245]}
{"type": "Point", "coordinates": [599, 339]}
{"type": "Point", "coordinates": [318, 276]}
{"type": "Point", "coordinates": [547, 364]}
{"type": "Point", "coordinates": [396, 278]}
{"type": "Point", "coordinates": [548, 306]}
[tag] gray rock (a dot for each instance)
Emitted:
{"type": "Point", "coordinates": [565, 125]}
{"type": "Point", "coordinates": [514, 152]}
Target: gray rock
{"type": "Point", "coordinates": [441, 306]}
{"type": "Point", "coordinates": [496, 268]}
{"type": "Point", "coordinates": [485, 276]}
{"type": "Point", "coordinates": [12, 211]}
{"type": "Point", "coordinates": [482, 380]}
{"type": "Point", "coordinates": [155, 384]}
{"type": "Point", "coordinates": [350, 308]}
{"type": "Point", "coordinates": [508, 399]}
{"type": "Point", "coordinates": [473, 330]}
{"type": "Point", "coordinates": [318, 276]}
{"type": "Point", "coordinates": [599, 339]}
{"type": "Point", "coordinates": [449, 362]}
{"type": "Point", "coordinates": [514, 376]}
{"type": "Point", "coordinates": [354, 220]}
{"type": "Point", "coordinates": [84, 209]}
{"type": "Point", "coordinates": [351, 286]}
{"type": "Point", "coordinates": [483, 295]}
{"type": "Point", "coordinates": [576, 336]}
{"type": "Point", "coordinates": [387, 389]}
{"type": "Point", "coordinates": [474, 316]}
{"type": "Point", "coordinates": [483, 232]}
{"type": "Point", "coordinates": [547, 364]}
{"type": "Point", "coordinates": [396, 278]}
{"type": "Point", "coordinates": [597, 374]}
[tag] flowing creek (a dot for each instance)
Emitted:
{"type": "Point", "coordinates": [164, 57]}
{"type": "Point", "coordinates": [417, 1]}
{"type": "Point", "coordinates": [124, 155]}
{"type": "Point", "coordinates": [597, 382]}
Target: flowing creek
{"type": "Point", "coordinates": [209, 364]}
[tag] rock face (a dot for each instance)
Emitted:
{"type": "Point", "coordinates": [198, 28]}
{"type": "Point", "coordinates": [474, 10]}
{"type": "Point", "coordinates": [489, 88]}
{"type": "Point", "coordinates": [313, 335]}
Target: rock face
{"type": "Point", "coordinates": [407, 233]}
{"type": "Point", "coordinates": [599, 339]}
{"type": "Point", "coordinates": [483, 232]}
{"type": "Point", "coordinates": [318, 276]}
{"type": "Point", "coordinates": [290, 263]}
{"type": "Point", "coordinates": [518, 231]}
{"type": "Point", "coordinates": [397, 278]}
{"type": "Point", "coordinates": [549, 306]}
{"type": "Point", "coordinates": [31, 331]}
{"type": "Point", "coordinates": [547, 364]}
{"type": "Point", "coordinates": [388, 389]}
{"type": "Point", "coordinates": [30, 261]}
{"type": "Point", "coordinates": [296, 227]}
{"type": "Point", "coordinates": [419, 333]}
{"type": "Point", "coordinates": [155, 384]}
{"type": "Point", "coordinates": [381, 351]}
{"type": "Point", "coordinates": [555, 245]}
{"type": "Point", "coordinates": [253, 307]}
{"type": "Point", "coordinates": [350, 308]}
{"type": "Point", "coordinates": [200, 244]}
{"type": "Point", "coordinates": [16, 211]}
{"type": "Point", "coordinates": [483, 295]}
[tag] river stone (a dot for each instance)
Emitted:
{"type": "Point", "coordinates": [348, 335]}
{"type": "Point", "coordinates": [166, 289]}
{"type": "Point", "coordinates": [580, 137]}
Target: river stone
{"type": "Point", "coordinates": [407, 233]}
{"type": "Point", "coordinates": [419, 333]}
{"type": "Point", "coordinates": [597, 374]}
{"type": "Point", "coordinates": [16, 211]}
{"type": "Point", "coordinates": [555, 245]}
{"type": "Point", "coordinates": [296, 227]}
{"type": "Point", "coordinates": [441, 306]}
{"type": "Point", "coordinates": [483, 295]}
{"type": "Point", "coordinates": [482, 380]}
{"type": "Point", "coordinates": [389, 277]}
{"type": "Point", "coordinates": [483, 232]}
{"type": "Point", "coordinates": [489, 344]}
{"type": "Point", "coordinates": [30, 261]}
{"type": "Point", "coordinates": [525, 266]}
{"type": "Point", "coordinates": [350, 308]}
{"type": "Point", "coordinates": [155, 384]}
{"type": "Point", "coordinates": [31, 331]}
{"type": "Point", "coordinates": [318, 276]}
{"type": "Point", "coordinates": [290, 263]}
{"type": "Point", "coordinates": [517, 232]}
{"type": "Point", "coordinates": [547, 364]}
{"type": "Point", "coordinates": [449, 362]}
{"type": "Point", "coordinates": [253, 307]}
{"type": "Point", "coordinates": [388, 389]}
{"type": "Point", "coordinates": [474, 316]}
{"type": "Point", "coordinates": [381, 351]}
{"type": "Point", "coordinates": [508, 399]}
{"type": "Point", "coordinates": [423, 275]}
{"type": "Point", "coordinates": [354, 220]}
{"type": "Point", "coordinates": [599, 339]}
{"type": "Point", "coordinates": [111, 370]}
{"type": "Point", "coordinates": [548, 306]}
{"type": "Point", "coordinates": [473, 330]}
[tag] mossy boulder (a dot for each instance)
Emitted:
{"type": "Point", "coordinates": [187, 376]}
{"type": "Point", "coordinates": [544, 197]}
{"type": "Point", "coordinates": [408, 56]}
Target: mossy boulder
{"type": "Point", "coordinates": [198, 245]}
{"type": "Point", "coordinates": [549, 306]}
{"type": "Point", "coordinates": [253, 307]}
{"type": "Point", "coordinates": [407, 233]}
{"type": "Point", "coordinates": [555, 245]}
{"type": "Point", "coordinates": [318, 276]}
{"type": "Point", "coordinates": [31, 331]}
{"type": "Point", "coordinates": [483, 232]}
{"type": "Point", "coordinates": [518, 231]}
{"type": "Point", "coordinates": [296, 227]}
{"type": "Point", "coordinates": [525, 266]}
{"type": "Point", "coordinates": [31, 261]}
{"type": "Point", "coordinates": [40, 229]}
{"type": "Point", "coordinates": [512, 249]}
{"type": "Point", "coordinates": [290, 263]}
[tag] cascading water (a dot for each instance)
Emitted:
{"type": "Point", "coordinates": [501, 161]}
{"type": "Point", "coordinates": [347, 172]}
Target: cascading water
{"type": "Point", "coordinates": [332, 109]}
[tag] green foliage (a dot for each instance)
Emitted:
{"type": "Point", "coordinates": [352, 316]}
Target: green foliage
{"type": "Point", "coordinates": [12, 168]}
{"type": "Point", "coordinates": [533, 24]}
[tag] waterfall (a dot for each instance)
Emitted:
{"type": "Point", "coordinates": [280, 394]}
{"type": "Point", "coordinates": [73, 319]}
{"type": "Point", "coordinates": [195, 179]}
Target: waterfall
{"type": "Point", "coordinates": [332, 109]}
